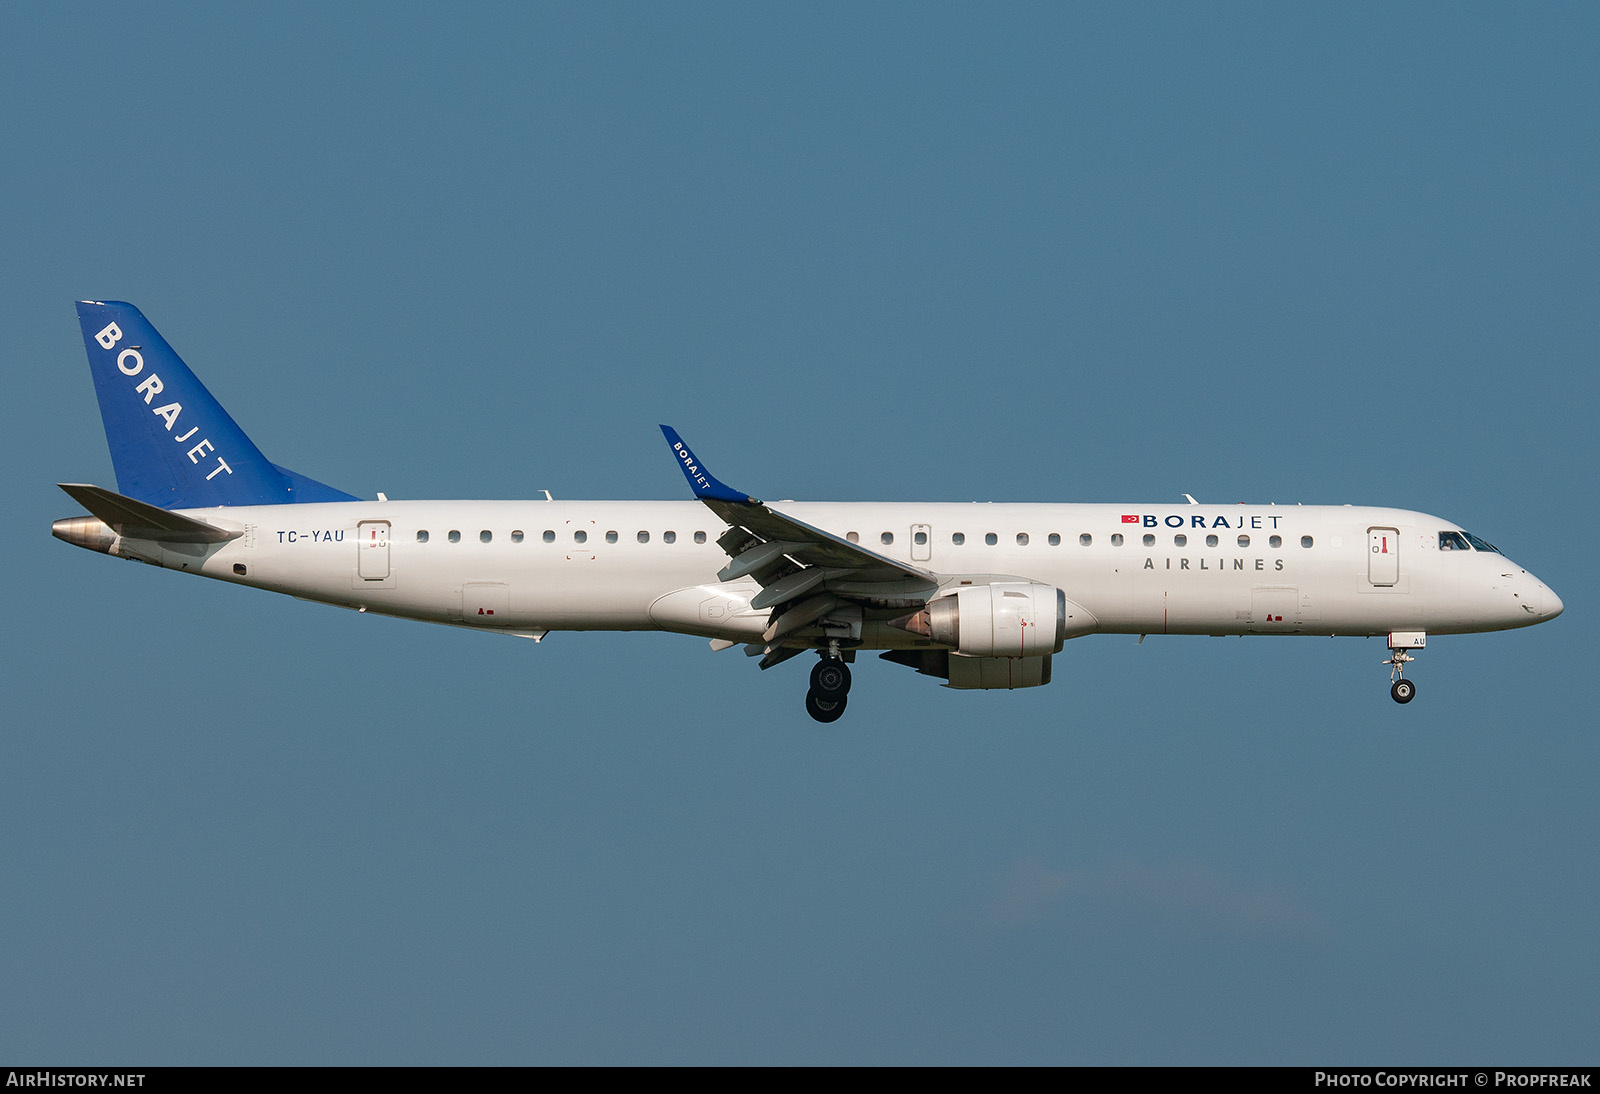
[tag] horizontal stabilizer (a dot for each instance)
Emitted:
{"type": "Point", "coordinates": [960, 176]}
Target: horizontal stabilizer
{"type": "Point", "coordinates": [138, 520]}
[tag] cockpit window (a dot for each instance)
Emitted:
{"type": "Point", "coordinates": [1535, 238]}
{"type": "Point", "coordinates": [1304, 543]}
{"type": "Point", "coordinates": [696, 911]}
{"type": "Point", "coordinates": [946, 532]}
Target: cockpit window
{"type": "Point", "coordinates": [1480, 544]}
{"type": "Point", "coordinates": [1452, 541]}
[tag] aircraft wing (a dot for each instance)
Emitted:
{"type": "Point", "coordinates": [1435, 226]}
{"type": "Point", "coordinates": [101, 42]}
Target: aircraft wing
{"type": "Point", "coordinates": [806, 574]}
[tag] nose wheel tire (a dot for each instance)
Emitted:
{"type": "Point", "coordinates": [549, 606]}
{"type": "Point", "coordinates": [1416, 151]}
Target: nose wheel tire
{"type": "Point", "coordinates": [824, 709]}
{"type": "Point", "coordinates": [1403, 691]}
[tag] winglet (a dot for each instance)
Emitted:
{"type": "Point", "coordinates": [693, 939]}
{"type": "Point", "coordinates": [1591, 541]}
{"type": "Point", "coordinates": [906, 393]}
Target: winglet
{"type": "Point", "coordinates": [702, 482]}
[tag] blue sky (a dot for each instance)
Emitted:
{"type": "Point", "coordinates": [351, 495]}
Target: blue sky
{"type": "Point", "coordinates": [1034, 252]}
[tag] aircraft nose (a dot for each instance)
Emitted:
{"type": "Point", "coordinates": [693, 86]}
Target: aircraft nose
{"type": "Point", "coordinates": [1552, 606]}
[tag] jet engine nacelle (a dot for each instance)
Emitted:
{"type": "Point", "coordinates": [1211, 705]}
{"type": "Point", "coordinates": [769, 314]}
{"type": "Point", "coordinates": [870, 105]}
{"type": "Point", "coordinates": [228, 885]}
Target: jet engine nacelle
{"type": "Point", "coordinates": [1007, 619]}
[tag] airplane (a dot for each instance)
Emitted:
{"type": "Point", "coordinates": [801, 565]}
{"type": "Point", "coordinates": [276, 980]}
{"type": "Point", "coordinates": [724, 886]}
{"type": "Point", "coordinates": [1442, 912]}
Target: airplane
{"type": "Point", "coordinates": [979, 596]}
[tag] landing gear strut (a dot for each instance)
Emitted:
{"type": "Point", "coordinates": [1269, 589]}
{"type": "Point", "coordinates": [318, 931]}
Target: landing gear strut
{"type": "Point", "coordinates": [1402, 690]}
{"type": "Point", "coordinates": [830, 685]}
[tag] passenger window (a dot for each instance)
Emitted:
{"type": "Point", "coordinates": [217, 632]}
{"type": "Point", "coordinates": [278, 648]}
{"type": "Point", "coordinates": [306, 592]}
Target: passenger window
{"type": "Point", "coordinates": [580, 537]}
{"type": "Point", "coordinates": [1055, 539]}
{"type": "Point", "coordinates": [886, 539]}
{"type": "Point", "coordinates": [422, 536]}
{"type": "Point", "coordinates": [611, 537]}
{"type": "Point", "coordinates": [1244, 541]}
{"type": "Point", "coordinates": [455, 536]}
{"type": "Point", "coordinates": [1276, 541]}
{"type": "Point", "coordinates": [669, 537]}
{"type": "Point", "coordinates": [1452, 541]}
{"type": "Point", "coordinates": [485, 536]}
{"type": "Point", "coordinates": [991, 539]}
{"type": "Point", "coordinates": [853, 537]}
{"type": "Point", "coordinates": [643, 537]}
{"type": "Point", "coordinates": [1116, 539]}
{"type": "Point", "coordinates": [1085, 539]}
{"type": "Point", "coordinates": [1305, 541]}
{"type": "Point", "coordinates": [958, 538]}
{"type": "Point", "coordinates": [1149, 540]}
{"type": "Point", "coordinates": [1022, 539]}
{"type": "Point", "coordinates": [1180, 540]}
{"type": "Point", "coordinates": [549, 535]}
{"type": "Point", "coordinates": [921, 539]}
{"type": "Point", "coordinates": [1211, 541]}
{"type": "Point", "coordinates": [516, 536]}
{"type": "Point", "coordinates": [699, 537]}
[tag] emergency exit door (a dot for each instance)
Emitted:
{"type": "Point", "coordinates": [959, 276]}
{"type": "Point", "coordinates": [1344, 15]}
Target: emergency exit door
{"type": "Point", "coordinates": [921, 542]}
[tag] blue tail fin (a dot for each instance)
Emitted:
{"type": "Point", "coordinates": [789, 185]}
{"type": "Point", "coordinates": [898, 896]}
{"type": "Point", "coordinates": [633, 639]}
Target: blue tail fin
{"type": "Point", "coordinates": [172, 444]}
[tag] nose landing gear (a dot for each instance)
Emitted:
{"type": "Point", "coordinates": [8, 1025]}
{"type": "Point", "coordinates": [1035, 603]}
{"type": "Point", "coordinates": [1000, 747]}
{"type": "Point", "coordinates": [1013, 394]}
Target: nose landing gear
{"type": "Point", "coordinates": [1402, 690]}
{"type": "Point", "coordinates": [830, 685]}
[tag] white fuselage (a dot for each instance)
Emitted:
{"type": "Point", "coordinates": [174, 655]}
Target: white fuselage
{"type": "Point", "coordinates": [535, 566]}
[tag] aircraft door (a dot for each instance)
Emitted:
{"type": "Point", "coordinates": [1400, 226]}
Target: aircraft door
{"type": "Point", "coordinates": [921, 542]}
{"type": "Point", "coordinates": [1383, 556]}
{"type": "Point", "coordinates": [372, 550]}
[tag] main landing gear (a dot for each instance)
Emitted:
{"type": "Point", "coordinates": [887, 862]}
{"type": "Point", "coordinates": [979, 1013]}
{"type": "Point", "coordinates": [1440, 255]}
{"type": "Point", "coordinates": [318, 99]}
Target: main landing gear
{"type": "Point", "coordinates": [830, 684]}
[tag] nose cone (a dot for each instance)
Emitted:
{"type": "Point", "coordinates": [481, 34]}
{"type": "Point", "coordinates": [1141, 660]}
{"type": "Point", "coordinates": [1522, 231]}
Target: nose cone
{"type": "Point", "coordinates": [1552, 605]}
{"type": "Point", "coordinates": [1538, 600]}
